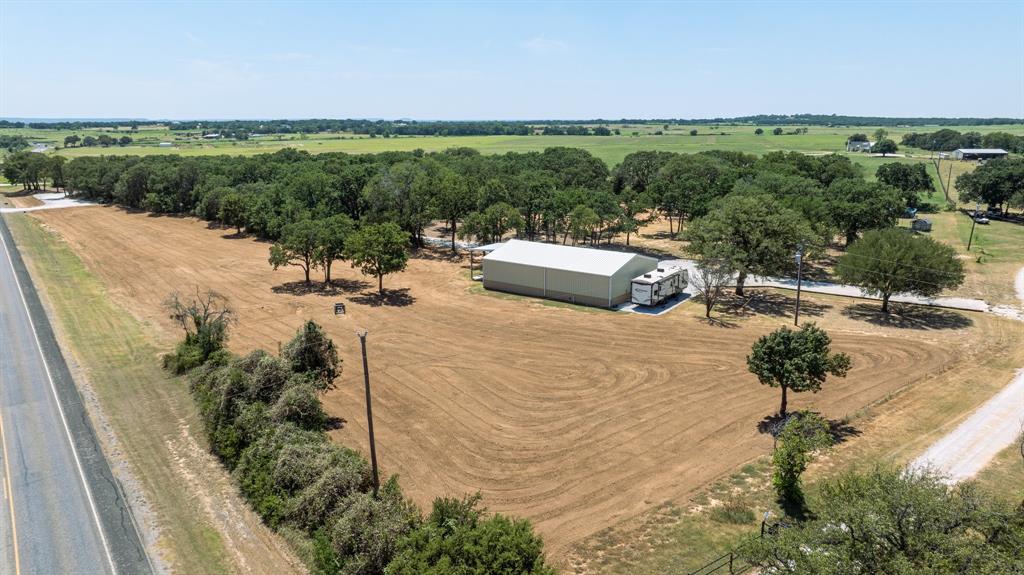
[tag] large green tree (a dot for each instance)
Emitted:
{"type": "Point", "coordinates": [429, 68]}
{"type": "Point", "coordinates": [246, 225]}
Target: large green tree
{"type": "Point", "coordinates": [403, 194]}
{"type": "Point", "coordinates": [896, 260]}
{"type": "Point", "coordinates": [299, 246]}
{"type": "Point", "coordinates": [856, 205]}
{"type": "Point", "coordinates": [334, 233]}
{"type": "Point", "coordinates": [453, 200]}
{"type": "Point", "coordinates": [995, 182]}
{"type": "Point", "coordinates": [638, 170]}
{"type": "Point", "coordinates": [909, 179]}
{"type": "Point", "coordinates": [233, 210]}
{"type": "Point", "coordinates": [491, 224]}
{"type": "Point", "coordinates": [885, 146]}
{"type": "Point", "coordinates": [897, 522]}
{"type": "Point", "coordinates": [378, 250]}
{"type": "Point", "coordinates": [751, 234]}
{"type": "Point", "coordinates": [688, 183]}
{"type": "Point", "coordinates": [797, 360]}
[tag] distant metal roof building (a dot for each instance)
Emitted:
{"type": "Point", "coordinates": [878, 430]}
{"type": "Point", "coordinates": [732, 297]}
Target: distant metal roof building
{"type": "Point", "coordinates": [978, 153]}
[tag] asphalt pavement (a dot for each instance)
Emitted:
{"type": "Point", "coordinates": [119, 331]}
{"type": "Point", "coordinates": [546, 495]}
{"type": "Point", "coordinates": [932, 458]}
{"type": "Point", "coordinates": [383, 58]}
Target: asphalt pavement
{"type": "Point", "coordinates": [62, 510]}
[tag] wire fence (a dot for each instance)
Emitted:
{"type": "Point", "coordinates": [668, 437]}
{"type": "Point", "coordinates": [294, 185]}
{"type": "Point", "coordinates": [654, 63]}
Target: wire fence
{"type": "Point", "coordinates": [730, 564]}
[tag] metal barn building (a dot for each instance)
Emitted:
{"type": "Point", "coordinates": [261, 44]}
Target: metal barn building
{"type": "Point", "coordinates": [979, 153]}
{"type": "Point", "coordinates": [578, 275]}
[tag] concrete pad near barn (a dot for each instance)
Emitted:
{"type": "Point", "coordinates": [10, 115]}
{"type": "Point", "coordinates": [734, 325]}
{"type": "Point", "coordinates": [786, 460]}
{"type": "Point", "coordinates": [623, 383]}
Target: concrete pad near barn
{"type": "Point", "coordinates": [578, 275]}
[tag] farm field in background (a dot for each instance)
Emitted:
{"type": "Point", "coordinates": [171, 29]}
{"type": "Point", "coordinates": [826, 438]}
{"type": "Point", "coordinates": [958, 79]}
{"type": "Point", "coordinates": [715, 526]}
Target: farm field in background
{"type": "Point", "coordinates": [611, 149]}
{"type": "Point", "coordinates": [576, 420]}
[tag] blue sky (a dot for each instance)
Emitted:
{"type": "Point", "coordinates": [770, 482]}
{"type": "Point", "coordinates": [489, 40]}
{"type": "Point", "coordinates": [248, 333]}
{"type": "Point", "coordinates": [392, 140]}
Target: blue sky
{"type": "Point", "coordinates": [509, 60]}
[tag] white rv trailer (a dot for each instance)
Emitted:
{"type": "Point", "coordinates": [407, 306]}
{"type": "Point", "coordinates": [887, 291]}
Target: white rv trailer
{"type": "Point", "coordinates": [655, 287]}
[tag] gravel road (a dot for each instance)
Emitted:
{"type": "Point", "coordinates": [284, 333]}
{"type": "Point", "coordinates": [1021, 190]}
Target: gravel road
{"type": "Point", "coordinates": [995, 425]}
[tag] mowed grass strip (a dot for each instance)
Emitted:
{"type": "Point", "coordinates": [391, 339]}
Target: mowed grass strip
{"type": "Point", "coordinates": [151, 414]}
{"type": "Point", "coordinates": [144, 406]}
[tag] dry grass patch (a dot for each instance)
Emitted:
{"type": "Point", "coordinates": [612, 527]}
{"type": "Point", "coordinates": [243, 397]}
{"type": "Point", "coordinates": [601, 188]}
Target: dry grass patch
{"type": "Point", "coordinates": [576, 420]}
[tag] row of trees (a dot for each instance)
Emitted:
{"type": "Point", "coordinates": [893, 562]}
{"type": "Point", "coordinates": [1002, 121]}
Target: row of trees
{"type": "Point", "coordinates": [747, 211]}
{"type": "Point", "coordinates": [263, 416]}
{"type": "Point", "coordinates": [33, 170]}
{"type": "Point", "coordinates": [102, 140]}
{"type": "Point", "coordinates": [376, 249]}
{"type": "Point", "coordinates": [485, 127]}
{"type": "Point", "coordinates": [13, 144]}
{"type": "Point", "coordinates": [947, 140]}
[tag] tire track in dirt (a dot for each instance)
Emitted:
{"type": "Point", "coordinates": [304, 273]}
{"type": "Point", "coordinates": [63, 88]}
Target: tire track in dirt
{"type": "Point", "coordinates": [576, 419]}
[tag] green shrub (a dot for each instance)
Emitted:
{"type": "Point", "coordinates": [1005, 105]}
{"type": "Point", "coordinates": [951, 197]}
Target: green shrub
{"type": "Point", "coordinates": [186, 357]}
{"type": "Point", "coordinates": [456, 539]}
{"type": "Point", "coordinates": [368, 531]}
{"type": "Point", "coordinates": [312, 352]}
{"type": "Point", "coordinates": [300, 405]}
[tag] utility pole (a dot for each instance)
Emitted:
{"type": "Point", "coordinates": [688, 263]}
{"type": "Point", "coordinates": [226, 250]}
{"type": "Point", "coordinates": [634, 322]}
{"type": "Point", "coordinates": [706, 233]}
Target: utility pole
{"type": "Point", "coordinates": [799, 281]}
{"type": "Point", "coordinates": [974, 222]}
{"type": "Point", "coordinates": [369, 414]}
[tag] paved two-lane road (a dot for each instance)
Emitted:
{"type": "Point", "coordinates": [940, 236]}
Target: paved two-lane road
{"type": "Point", "coordinates": [62, 511]}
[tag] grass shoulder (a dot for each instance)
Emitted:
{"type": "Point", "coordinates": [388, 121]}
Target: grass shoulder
{"type": "Point", "coordinates": [196, 524]}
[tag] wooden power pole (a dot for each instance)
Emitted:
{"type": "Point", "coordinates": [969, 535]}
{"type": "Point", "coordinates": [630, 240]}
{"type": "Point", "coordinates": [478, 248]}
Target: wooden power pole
{"type": "Point", "coordinates": [369, 414]}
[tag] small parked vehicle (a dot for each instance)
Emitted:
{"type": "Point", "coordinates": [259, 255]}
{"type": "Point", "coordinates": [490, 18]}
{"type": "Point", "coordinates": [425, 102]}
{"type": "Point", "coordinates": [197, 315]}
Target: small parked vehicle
{"type": "Point", "coordinates": [981, 220]}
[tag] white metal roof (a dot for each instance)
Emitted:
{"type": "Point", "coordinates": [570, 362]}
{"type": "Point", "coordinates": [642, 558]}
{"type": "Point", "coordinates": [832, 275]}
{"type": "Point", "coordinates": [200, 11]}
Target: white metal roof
{"type": "Point", "coordinates": [487, 248]}
{"type": "Point", "coordinates": [557, 256]}
{"type": "Point", "coordinates": [655, 276]}
{"type": "Point", "coordinates": [982, 151]}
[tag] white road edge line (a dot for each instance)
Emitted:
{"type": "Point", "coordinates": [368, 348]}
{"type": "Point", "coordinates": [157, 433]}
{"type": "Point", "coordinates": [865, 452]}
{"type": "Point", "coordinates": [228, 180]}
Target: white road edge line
{"type": "Point", "coordinates": [60, 409]}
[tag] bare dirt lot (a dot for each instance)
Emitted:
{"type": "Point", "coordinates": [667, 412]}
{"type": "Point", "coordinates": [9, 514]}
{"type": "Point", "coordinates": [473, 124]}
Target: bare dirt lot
{"type": "Point", "coordinates": [25, 201]}
{"type": "Point", "coordinates": [574, 418]}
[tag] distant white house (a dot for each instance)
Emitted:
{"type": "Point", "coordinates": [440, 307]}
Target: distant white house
{"type": "Point", "coordinates": [854, 146]}
{"type": "Point", "coordinates": [979, 153]}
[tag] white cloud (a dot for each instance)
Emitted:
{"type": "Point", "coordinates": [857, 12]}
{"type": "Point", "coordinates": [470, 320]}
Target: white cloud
{"type": "Point", "coordinates": [544, 45]}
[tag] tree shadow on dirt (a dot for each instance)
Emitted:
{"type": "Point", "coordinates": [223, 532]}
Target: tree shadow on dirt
{"type": "Point", "coordinates": [336, 287]}
{"type": "Point", "coordinates": [649, 251]}
{"type": "Point", "coordinates": [392, 297]}
{"type": "Point", "coordinates": [333, 423]}
{"type": "Point", "coordinates": [908, 316]}
{"type": "Point", "coordinates": [840, 429]}
{"type": "Point", "coordinates": [24, 192]}
{"type": "Point", "coordinates": [660, 235]}
{"type": "Point", "coordinates": [439, 253]}
{"type": "Point", "coordinates": [719, 321]}
{"type": "Point", "coordinates": [782, 305]}
{"type": "Point", "coordinates": [767, 303]}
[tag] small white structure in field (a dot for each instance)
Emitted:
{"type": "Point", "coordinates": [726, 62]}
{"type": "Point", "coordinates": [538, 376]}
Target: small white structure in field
{"type": "Point", "coordinates": [165, 144]}
{"type": "Point", "coordinates": [657, 286]}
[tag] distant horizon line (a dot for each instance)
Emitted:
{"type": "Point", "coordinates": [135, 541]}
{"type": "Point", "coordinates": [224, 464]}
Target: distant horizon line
{"type": "Point", "coordinates": [748, 117]}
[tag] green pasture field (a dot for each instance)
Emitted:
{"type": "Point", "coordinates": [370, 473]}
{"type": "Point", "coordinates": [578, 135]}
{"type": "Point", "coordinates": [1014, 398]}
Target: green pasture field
{"type": "Point", "coordinates": [611, 149]}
